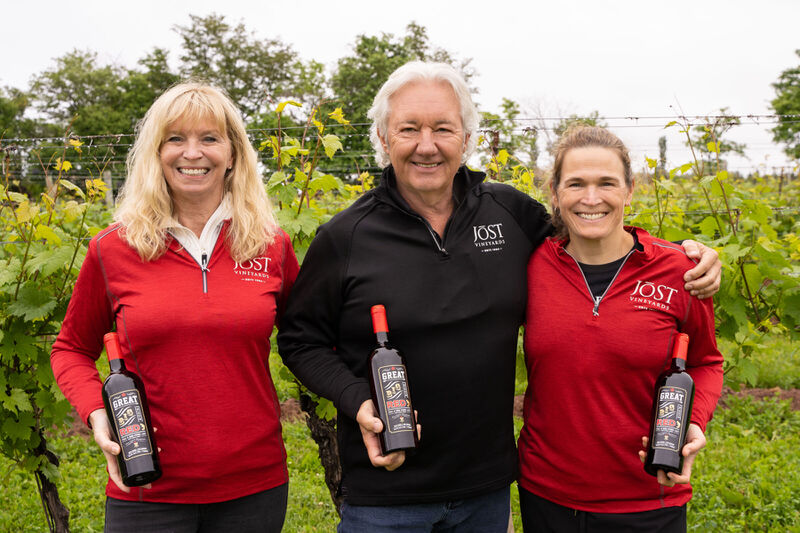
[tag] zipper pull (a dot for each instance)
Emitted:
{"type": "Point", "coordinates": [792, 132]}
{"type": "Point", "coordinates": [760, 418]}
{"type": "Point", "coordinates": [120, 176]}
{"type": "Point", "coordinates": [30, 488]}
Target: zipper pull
{"type": "Point", "coordinates": [597, 299]}
{"type": "Point", "coordinates": [204, 268]}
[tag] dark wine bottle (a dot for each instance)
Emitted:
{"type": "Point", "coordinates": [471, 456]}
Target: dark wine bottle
{"type": "Point", "coordinates": [390, 391]}
{"type": "Point", "coordinates": [126, 407]}
{"type": "Point", "coordinates": [672, 411]}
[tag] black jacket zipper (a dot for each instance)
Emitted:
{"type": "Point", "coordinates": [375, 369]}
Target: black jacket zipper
{"type": "Point", "coordinates": [204, 268]}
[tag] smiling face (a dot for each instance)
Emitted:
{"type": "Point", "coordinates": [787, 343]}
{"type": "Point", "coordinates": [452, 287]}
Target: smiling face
{"type": "Point", "coordinates": [424, 139]}
{"type": "Point", "coordinates": [592, 195]}
{"type": "Point", "coordinates": [195, 156]}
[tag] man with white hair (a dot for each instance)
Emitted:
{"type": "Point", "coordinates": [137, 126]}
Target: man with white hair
{"type": "Point", "coordinates": [446, 254]}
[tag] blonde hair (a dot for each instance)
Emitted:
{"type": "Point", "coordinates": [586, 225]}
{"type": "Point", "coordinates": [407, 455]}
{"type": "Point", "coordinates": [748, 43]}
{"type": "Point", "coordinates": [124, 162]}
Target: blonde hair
{"type": "Point", "coordinates": [145, 207]}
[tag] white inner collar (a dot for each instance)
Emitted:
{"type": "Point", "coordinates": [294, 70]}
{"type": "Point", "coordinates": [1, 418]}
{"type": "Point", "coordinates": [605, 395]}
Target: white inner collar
{"type": "Point", "coordinates": [195, 246]}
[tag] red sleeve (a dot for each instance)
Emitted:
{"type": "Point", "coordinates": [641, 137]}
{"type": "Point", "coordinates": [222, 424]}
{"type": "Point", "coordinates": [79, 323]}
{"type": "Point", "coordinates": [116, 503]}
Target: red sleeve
{"type": "Point", "coordinates": [290, 269]}
{"type": "Point", "coordinates": [704, 362]}
{"type": "Point", "coordinates": [80, 341]}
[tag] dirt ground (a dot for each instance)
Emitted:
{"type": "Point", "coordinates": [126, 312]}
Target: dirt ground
{"type": "Point", "coordinates": [291, 412]}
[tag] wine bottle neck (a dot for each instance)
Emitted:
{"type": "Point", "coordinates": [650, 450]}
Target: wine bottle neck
{"type": "Point", "coordinates": [116, 365]}
{"type": "Point", "coordinates": [382, 337]}
{"type": "Point", "coordinates": [679, 362]}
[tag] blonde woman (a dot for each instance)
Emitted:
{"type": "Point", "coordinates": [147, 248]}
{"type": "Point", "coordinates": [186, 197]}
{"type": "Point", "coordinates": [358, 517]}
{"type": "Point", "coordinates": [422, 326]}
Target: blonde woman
{"type": "Point", "coordinates": [193, 276]}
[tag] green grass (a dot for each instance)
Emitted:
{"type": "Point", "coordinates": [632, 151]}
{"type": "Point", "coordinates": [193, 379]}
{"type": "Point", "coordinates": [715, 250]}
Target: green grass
{"type": "Point", "coordinates": [748, 477]}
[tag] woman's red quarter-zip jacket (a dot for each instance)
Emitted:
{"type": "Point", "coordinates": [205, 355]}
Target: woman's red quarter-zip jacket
{"type": "Point", "coordinates": [202, 355]}
{"type": "Point", "coordinates": [592, 369]}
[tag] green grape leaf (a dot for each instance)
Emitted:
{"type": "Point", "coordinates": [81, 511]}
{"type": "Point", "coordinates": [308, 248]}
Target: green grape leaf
{"type": "Point", "coordinates": [331, 144]}
{"type": "Point", "coordinates": [676, 234]}
{"type": "Point", "coordinates": [285, 194]}
{"type": "Point", "coordinates": [276, 178]}
{"type": "Point", "coordinates": [48, 261]}
{"type": "Point", "coordinates": [9, 270]}
{"type": "Point", "coordinates": [72, 187]}
{"type": "Point", "coordinates": [46, 232]}
{"type": "Point", "coordinates": [26, 211]}
{"type": "Point", "coordinates": [325, 409]}
{"type": "Point", "coordinates": [709, 226]}
{"type": "Point", "coordinates": [16, 400]}
{"type": "Point", "coordinates": [73, 210]}
{"type": "Point", "coordinates": [706, 180]}
{"type": "Point", "coordinates": [16, 196]}
{"type": "Point", "coordinates": [325, 182]}
{"type": "Point", "coordinates": [747, 370]}
{"type": "Point", "coordinates": [338, 116]}
{"type": "Point", "coordinates": [502, 156]}
{"type": "Point", "coordinates": [300, 177]}
{"type": "Point", "coordinates": [17, 430]}
{"type": "Point", "coordinates": [17, 343]}
{"type": "Point", "coordinates": [50, 471]}
{"type": "Point", "coordinates": [33, 303]}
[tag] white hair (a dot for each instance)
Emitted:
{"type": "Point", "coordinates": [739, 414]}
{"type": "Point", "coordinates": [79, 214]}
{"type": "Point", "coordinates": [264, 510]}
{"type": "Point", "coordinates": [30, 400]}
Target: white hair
{"type": "Point", "coordinates": [422, 71]}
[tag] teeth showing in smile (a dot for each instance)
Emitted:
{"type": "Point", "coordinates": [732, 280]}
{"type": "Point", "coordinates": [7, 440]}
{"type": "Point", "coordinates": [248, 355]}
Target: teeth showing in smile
{"type": "Point", "coordinates": [591, 216]}
{"type": "Point", "coordinates": [427, 165]}
{"type": "Point", "coordinates": [194, 171]}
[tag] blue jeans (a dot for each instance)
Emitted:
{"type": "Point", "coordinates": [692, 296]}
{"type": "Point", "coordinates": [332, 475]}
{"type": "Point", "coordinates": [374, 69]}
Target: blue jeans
{"type": "Point", "coordinates": [482, 514]}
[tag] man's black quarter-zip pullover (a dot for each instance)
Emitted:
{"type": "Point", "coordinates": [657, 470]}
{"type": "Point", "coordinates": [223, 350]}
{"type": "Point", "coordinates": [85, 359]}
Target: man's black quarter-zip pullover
{"type": "Point", "coordinates": [454, 304]}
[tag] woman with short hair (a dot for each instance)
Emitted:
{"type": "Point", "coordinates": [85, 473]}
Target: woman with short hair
{"type": "Point", "coordinates": [193, 276]}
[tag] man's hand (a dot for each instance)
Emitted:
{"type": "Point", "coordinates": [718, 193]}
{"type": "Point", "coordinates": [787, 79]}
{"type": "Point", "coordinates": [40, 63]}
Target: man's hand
{"type": "Point", "coordinates": [695, 441]}
{"type": "Point", "coordinates": [371, 426]}
{"type": "Point", "coordinates": [704, 279]}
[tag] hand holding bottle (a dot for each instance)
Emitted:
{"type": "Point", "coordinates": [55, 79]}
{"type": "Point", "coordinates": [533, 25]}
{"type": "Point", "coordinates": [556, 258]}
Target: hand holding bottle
{"type": "Point", "coordinates": [102, 436]}
{"type": "Point", "coordinates": [371, 427]}
{"type": "Point", "coordinates": [695, 441]}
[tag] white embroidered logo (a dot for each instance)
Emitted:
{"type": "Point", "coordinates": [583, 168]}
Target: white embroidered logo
{"type": "Point", "coordinates": [488, 237]}
{"type": "Point", "coordinates": [253, 269]}
{"type": "Point", "coordinates": [652, 296]}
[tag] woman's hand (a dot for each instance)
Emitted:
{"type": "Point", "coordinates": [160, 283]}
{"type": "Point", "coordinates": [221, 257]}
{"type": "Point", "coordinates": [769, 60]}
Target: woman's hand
{"type": "Point", "coordinates": [704, 279]}
{"type": "Point", "coordinates": [102, 436]}
{"type": "Point", "coordinates": [695, 441]}
{"type": "Point", "coordinates": [371, 427]}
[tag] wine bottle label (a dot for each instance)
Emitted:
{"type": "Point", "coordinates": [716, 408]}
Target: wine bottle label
{"type": "Point", "coordinates": [130, 424]}
{"type": "Point", "coordinates": [394, 392]}
{"type": "Point", "coordinates": [670, 418]}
